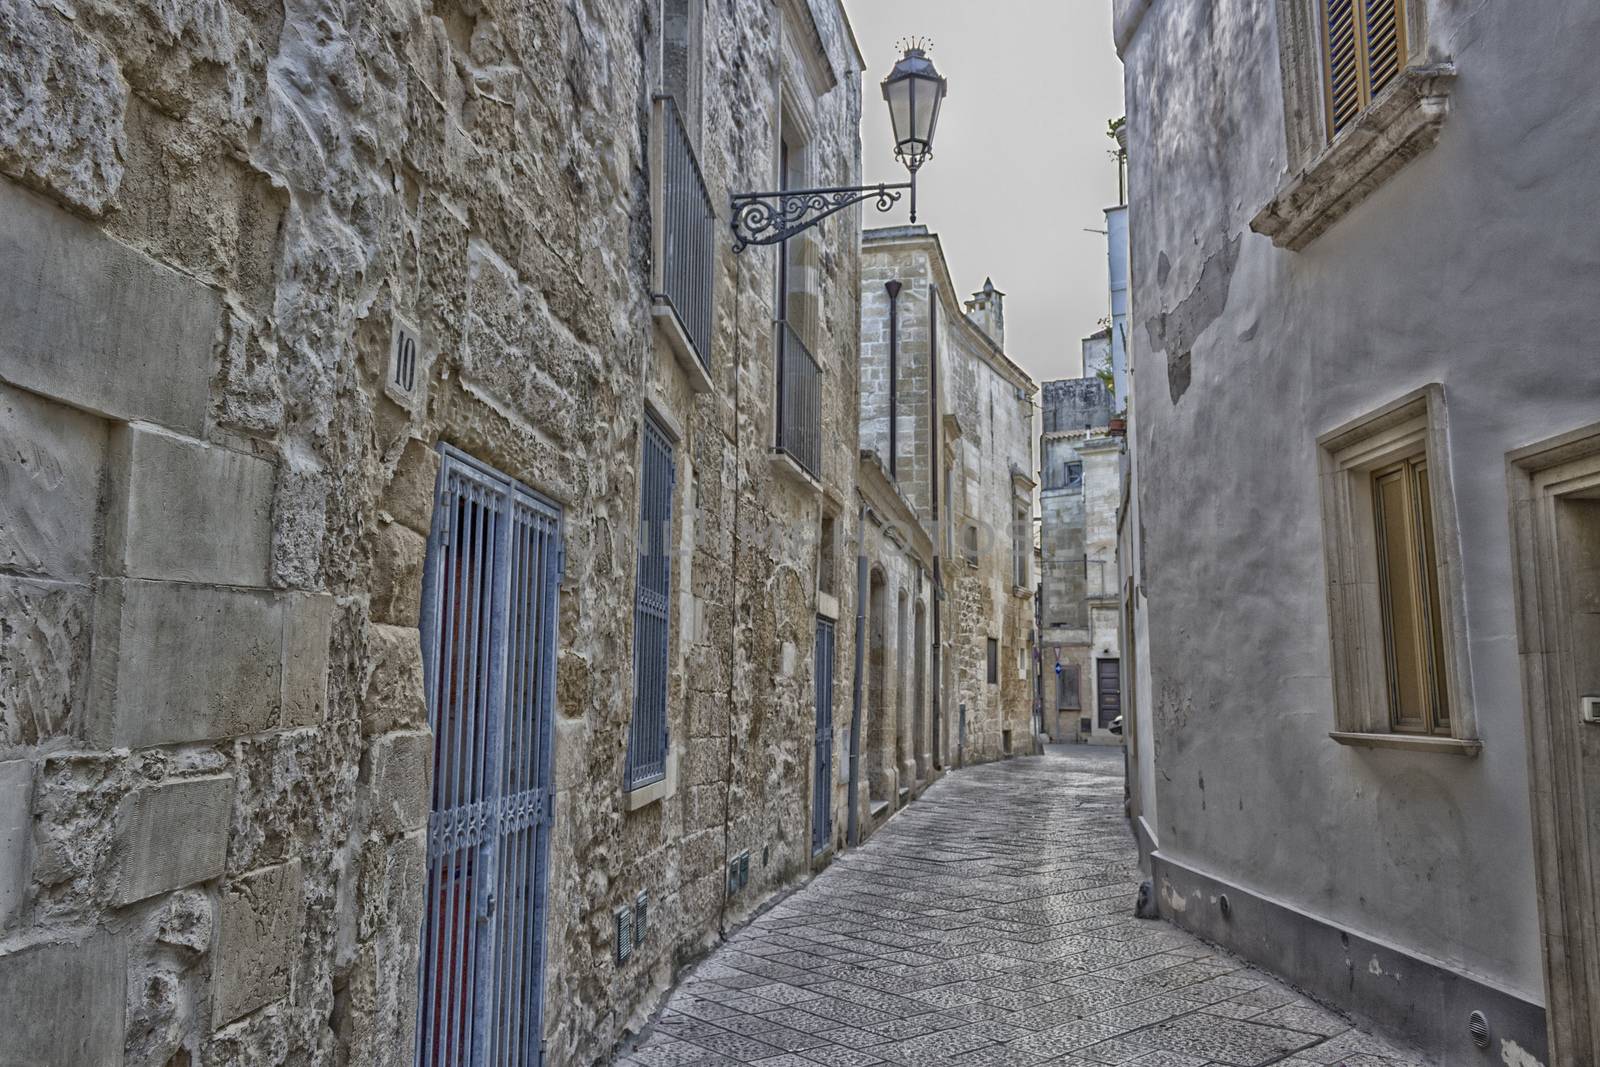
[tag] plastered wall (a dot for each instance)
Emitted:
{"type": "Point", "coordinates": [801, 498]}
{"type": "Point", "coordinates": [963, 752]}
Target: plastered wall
{"type": "Point", "coordinates": [1464, 268]}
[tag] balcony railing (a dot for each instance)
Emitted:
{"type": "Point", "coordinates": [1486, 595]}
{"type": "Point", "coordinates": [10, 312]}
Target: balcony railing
{"type": "Point", "coordinates": [685, 230]}
{"type": "Point", "coordinates": [799, 402]}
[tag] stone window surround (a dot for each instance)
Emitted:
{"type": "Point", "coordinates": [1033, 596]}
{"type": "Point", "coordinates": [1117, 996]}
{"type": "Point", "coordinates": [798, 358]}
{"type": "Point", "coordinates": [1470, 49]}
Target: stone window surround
{"type": "Point", "coordinates": [1346, 457]}
{"type": "Point", "coordinates": [1326, 179]}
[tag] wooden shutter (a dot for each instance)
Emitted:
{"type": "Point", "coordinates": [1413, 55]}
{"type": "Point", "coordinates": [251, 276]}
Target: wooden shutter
{"type": "Point", "coordinates": [1385, 40]}
{"type": "Point", "coordinates": [1364, 49]}
{"type": "Point", "coordinates": [1408, 591]}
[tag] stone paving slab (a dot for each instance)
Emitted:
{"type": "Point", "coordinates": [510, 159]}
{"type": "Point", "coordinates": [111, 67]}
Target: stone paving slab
{"type": "Point", "coordinates": [991, 924]}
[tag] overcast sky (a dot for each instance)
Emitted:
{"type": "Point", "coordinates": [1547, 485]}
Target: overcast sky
{"type": "Point", "coordinates": [1020, 168]}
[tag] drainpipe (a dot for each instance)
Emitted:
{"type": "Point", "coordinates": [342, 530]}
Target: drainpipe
{"type": "Point", "coordinates": [893, 286]}
{"type": "Point", "coordinates": [853, 827]}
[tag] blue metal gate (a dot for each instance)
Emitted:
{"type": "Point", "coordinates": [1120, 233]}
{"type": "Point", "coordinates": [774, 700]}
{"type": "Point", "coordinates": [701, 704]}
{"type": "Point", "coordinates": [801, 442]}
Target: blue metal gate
{"type": "Point", "coordinates": [822, 787]}
{"type": "Point", "coordinates": [488, 635]}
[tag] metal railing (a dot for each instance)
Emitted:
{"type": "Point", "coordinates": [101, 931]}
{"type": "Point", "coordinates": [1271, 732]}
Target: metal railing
{"type": "Point", "coordinates": [799, 402]}
{"type": "Point", "coordinates": [686, 231]}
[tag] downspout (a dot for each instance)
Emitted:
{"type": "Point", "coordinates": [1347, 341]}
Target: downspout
{"type": "Point", "coordinates": [893, 286]}
{"type": "Point", "coordinates": [853, 826]}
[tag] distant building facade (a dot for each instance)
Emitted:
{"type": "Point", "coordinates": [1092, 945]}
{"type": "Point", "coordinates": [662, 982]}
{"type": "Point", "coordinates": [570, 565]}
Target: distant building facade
{"type": "Point", "coordinates": [1364, 543]}
{"type": "Point", "coordinates": [1079, 490]}
{"type": "Point", "coordinates": [946, 414]}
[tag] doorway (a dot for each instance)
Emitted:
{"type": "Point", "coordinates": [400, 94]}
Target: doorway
{"type": "Point", "coordinates": [822, 784]}
{"type": "Point", "coordinates": [490, 585]}
{"type": "Point", "coordinates": [1555, 502]}
{"type": "Point", "coordinates": [1108, 691]}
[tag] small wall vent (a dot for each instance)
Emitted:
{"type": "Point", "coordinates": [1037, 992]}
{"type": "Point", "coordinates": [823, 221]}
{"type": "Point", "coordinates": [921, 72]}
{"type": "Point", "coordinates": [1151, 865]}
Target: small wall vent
{"type": "Point", "coordinates": [744, 869]}
{"type": "Point", "coordinates": [1478, 1027]}
{"type": "Point", "coordinates": [641, 919]}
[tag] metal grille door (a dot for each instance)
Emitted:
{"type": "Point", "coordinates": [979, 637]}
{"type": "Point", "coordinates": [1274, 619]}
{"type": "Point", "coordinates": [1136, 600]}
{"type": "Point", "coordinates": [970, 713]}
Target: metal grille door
{"type": "Point", "coordinates": [488, 633]}
{"type": "Point", "coordinates": [822, 788]}
{"type": "Point", "coordinates": [647, 739]}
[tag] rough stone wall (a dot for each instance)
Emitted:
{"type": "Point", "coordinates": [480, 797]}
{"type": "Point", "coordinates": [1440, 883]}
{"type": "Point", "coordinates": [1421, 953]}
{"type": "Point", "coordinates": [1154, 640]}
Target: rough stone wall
{"type": "Point", "coordinates": [1075, 404]}
{"type": "Point", "coordinates": [213, 749]}
{"type": "Point", "coordinates": [1246, 353]}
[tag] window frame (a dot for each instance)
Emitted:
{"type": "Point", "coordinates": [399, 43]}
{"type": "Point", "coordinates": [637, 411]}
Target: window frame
{"type": "Point", "coordinates": [1069, 683]}
{"type": "Point", "coordinates": [992, 660]}
{"type": "Point", "coordinates": [1414, 425]}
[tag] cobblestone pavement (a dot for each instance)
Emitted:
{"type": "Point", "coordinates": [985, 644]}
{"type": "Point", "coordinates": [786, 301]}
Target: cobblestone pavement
{"type": "Point", "coordinates": [991, 923]}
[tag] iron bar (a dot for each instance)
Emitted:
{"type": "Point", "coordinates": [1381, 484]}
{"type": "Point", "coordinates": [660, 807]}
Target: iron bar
{"type": "Point", "coordinates": [799, 402]}
{"type": "Point", "coordinates": [688, 232]}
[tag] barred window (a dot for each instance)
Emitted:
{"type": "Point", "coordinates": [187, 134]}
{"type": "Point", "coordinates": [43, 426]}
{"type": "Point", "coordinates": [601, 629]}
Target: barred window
{"type": "Point", "coordinates": [647, 741]}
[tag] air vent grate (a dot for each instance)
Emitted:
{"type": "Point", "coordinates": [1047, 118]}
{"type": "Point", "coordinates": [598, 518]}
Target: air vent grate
{"type": "Point", "coordinates": [1478, 1027]}
{"type": "Point", "coordinates": [641, 919]}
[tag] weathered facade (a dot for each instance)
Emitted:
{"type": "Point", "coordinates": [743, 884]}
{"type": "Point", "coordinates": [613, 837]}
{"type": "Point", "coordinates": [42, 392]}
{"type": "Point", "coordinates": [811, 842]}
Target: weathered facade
{"type": "Point", "coordinates": [948, 416]}
{"type": "Point", "coordinates": [1080, 483]}
{"type": "Point", "coordinates": [1365, 505]}
{"type": "Point", "coordinates": [258, 263]}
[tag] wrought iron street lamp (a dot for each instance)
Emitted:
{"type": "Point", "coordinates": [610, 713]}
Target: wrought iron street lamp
{"type": "Point", "coordinates": [914, 90]}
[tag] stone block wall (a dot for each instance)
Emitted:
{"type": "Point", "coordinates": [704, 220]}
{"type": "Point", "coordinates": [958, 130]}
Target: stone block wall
{"type": "Point", "coordinates": [214, 747]}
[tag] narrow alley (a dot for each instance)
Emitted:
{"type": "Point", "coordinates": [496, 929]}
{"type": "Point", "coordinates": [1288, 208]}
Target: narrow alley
{"type": "Point", "coordinates": [992, 924]}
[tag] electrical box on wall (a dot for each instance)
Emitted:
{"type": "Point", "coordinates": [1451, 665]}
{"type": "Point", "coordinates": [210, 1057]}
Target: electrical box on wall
{"type": "Point", "coordinates": [1591, 710]}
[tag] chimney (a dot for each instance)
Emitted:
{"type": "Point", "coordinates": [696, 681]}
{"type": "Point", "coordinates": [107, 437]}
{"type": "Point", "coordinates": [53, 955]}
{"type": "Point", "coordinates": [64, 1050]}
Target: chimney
{"type": "Point", "coordinates": [986, 309]}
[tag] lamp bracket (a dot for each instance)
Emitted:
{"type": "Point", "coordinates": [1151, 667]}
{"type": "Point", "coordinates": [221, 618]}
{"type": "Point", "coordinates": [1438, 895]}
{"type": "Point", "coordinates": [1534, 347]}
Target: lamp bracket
{"type": "Point", "coordinates": [769, 218]}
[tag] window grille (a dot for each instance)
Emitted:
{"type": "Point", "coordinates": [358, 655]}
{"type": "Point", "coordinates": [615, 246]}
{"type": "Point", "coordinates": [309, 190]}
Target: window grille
{"type": "Point", "coordinates": [488, 635]}
{"type": "Point", "coordinates": [1364, 49]}
{"type": "Point", "coordinates": [686, 231]}
{"type": "Point", "coordinates": [799, 401]}
{"type": "Point", "coordinates": [647, 740]}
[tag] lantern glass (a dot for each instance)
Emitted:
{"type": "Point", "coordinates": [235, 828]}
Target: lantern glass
{"type": "Point", "coordinates": [914, 91]}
